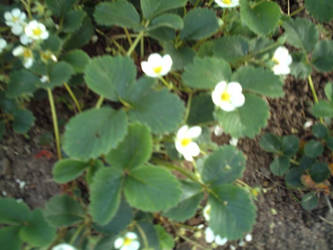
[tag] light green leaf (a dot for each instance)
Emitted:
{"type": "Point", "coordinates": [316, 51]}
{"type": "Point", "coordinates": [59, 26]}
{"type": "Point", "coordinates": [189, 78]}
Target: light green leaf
{"type": "Point", "coordinates": [322, 109]}
{"type": "Point", "coordinates": [166, 240]}
{"type": "Point", "coordinates": [270, 143]}
{"type": "Point", "coordinates": [191, 197]}
{"type": "Point", "coordinates": [105, 194]}
{"type": "Point", "coordinates": [167, 20]}
{"type": "Point", "coordinates": [163, 34]}
{"type": "Point", "coordinates": [223, 166]}
{"type": "Point", "coordinates": [201, 110]}
{"type": "Point", "coordinates": [82, 36]}
{"type": "Point", "coordinates": [73, 20]}
{"type": "Point", "coordinates": [23, 120]}
{"type": "Point", "coordinates": [59, 73]}
{"type": "Point", "coordinates": [309, 201]}
{"type": "Point", "coordinates": [280, 165]}
{"type": "Point", "coordinates": [329, 91]}
{"type": "Point", "coordinates": [120, 13]}
{"type": "Point", "coordinates": [59, 7]}
{"type": "Point", "coordinates": [21, 82]}
{"type": "Point", "coordinates": [134, 150]}
{"type": "Point", "coordinates": [67, 170]}
{"type": "Point", "coordinates": [54, 43]}
{"type": "Point", "coordinates": [231, 48]}
{"type": "Point", "coordinates": [259, 80]}
{"type": "Point", "coordinates": [9, 238]}
{"type": "Point", "coordinates": [263, 18]}
{"type": "Point", "coordinates": [320, 9]}
{"type": "Point", "coordinates": [301, 33]}
{"type": "Point", "coordinates": [151, 188]}
{"type": "Point", "coordinates": [232, 212]}
{"type": "Point", "coordinates": [12, 212]}
{"type": "Point", "coordinates": [78, 59]}
{"type": "Point", "coordinates": [62, 210]}
{"type": "Point", "coordinates": [199, 23]}
{"type": "Point", "coordinates": [243, 121]}
{"type": "Point", "coordinates": [36, 231]}
{"type": "Point", "coordinates": [322, 56]}
{"type": "Point", "coordinates": [151, 8]}
{"type": "Point", "coordinates": [300, 67]}
{"type": "Point", "coordinates": [205, 73]}
{"type": "Point", "coordinates": [110, 76]}
{"type": "Point", "coordinates": [103, 129]}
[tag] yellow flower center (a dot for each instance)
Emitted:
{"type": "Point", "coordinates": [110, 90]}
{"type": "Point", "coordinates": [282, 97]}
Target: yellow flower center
{"type": "Point", "coordinates": [127, 241]}
{"type": "Point", "coordinates": [276, 61]}
{"type": "Point", "coordinates": [184, 142]}
{"type": "Point", "coordinates": [27, 53]}
{"type": "Point", "coordinates": [225, 96]}
{"type": "Point", "coordinates": [15, 19]}
{"type": "Point", "coordinates": [37, 31]}
{"type": "Point", "coordinates": [228, 2]}
{"type": "Point", "coordinates": [158, 69]}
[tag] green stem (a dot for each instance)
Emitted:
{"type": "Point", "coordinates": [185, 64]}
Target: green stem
{"type": "Point", "coordinates": [27, 7]}
{"type": "Point", "coordinates": [136, 41]}
{"type": "Point", "coordinates": [99, 102]}
{"type": "Point", "coordinates": [188, 107]}
{"type": "Point", "coordinates": [315, 97]}
{"type": "Point", "coordinates": [76, 234]}
{"type": "Point", "coordinates": [128, 36]}
{"type": "Point", "coordinates": [70, 92]}
{"type": "Point", "coordinates": [169, 86]}
{"type": "Point", "coordinates": [297, 11]}
{"type": "Point", "coordinates": [55, 122]}
{"type": "Point", "coordinates": [143, 235]}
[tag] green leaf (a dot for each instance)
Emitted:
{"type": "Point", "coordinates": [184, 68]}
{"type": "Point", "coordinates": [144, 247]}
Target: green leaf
{"type": "Point", "coordinates": [59, 7]}
{"type": "Point", "coordinates": [280, 165]}
{"type": "Point", "coordinates": [82, 36]}
{"type": "Point", "coordinates": [167, 20]}
{"type": "Point", "coordinates": [261, 19]}
{"type": "Point", "coordinates": [232, 212]}
{"type": "Point", "coordinates": [110, 76]}
{"type": "Point", "coordinates": [313, 149]}
{"type": "Point", "coordinates": [309, 201]}
{"type": "Point", "coordinates": [243, 121]}
{"type": "Point", "coordinates": [329, 91]}
{"type": "Point", "coordinates": [150, 235]}
{"type": "Point", "coordinates": [53, 43]}
{"type": "Point", "coordinates": [206, 73]}
{"type": "Point", "coordinates": [60, 73]}
{"type": "Point", "coordinates": [300, 67]}
{"type": "Point", "coordinates": [23, 120]}
{"type": "Point", "coordinates": [270, 143]}
{"type": "Point", "coordinates": [293, 177]}
{"type": "Point", "coordinates": [36, 231]}
{"type": "Point", "coordinates": [259, 80]}
{"type": "Point", "coordinates": [320, 9]}
{"type": "Point", "coordinates": [290, 145]}
{"type": "Point", "coordinates": [319, 131]}
{"type": "Point", "coordinates": [166, 240]}
{"type": "Point", "coordinates": [9, 238]}
{"type": "Point", "coordinates": [123, 14]}
{"type": "Point", "coordinates": [223, 166]}
{"type": "Point", "coordinates": [191, 197]}
{"type": "Point", "coordinates": [322, 109]}
{"type": "Point", "coordinates": [78, 59]}
{"type": "Point", "coordinates": [161, 110]}
{"type": "Point", "coordinates": [151, 188]}
{"type": "Point", "coordinates": [103, 129]}
{"type": "Point", "coordinates": [329, 142]}
{"type": "Point", "coordinates": [201, 110]}
{"type": "Point", "coordinates": [134, 150]}
{"type": "Point", "coordinates": [73, 20]}
{"type": "Point", "coordinates": [62, 211]}
{"type": "Point", "coordinates": [322, 56]}
{"type": "Point", "coordinates": [163, 34]}
{"type": "Point", "coordinates": [319, 172]}
{"type": "Point", "coordinates": [67, 170]}
{"type": "Point", "coordinates": [120, 221]}
{"type": "Point", "coordinates": [12, 212]}
{"type": "Point", "coordinates": [151, 8]}
{"type": "Point", "coordinates": [180, 57]}
{"type": "Point", "coordinates": [21, 82]}
{"type": "Point", "coordinates": [105, 194]}
{"type": "Point", "coordinates": [199, 23]}
{"type": "Point", "coordinates": [231, 48]}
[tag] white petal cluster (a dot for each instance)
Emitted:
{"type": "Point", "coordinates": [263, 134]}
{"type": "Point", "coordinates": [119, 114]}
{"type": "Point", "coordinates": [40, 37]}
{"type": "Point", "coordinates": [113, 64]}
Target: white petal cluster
{"type": "Point", "coordinates": [184, 142]}
{"type": "Point", "coordinates": [206, 212]}
{"type": "Point", "coordinates": [36, 31]}
{"type": "Point", "coordinates": [227, 3]}
{"type": "Point", "coordinates": [16, 20]}
{"type": "Point", "coordinates": [218, 130]}
{"type": "Point", "coordinates": [211, 237]}
{"type": "Point", "coordinates": [63, 246]}
{"type": "Point", "coordinates": [233, 141]}
{"type": "Point", "coordinates": [157, 66]}
{"type": "Point", "coordinates": [228, 96]}
{"type": "Point", "coordinates": [26, 54]}
{"type": "Point", "coordinates": [282, 60]}
{"type": "Point", "coordinates": [3, 44]}
{"type": "Point", "coordinates": [129, 242]}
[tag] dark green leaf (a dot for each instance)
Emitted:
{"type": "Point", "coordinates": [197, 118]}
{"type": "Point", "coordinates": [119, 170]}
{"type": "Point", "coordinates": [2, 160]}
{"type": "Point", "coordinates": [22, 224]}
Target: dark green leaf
{"type": "Point", "coordinates": [180, 57]}
{"type": "Point", "coordinates": [313, 149]}
{"type": "Point", "coordinates": [165, 239]}
{"type": "Point", "coordinates": [82, 36]}
{"type": "Point", "coordinates": [231, 48]}
{"type": "Point", "coordinates": [9, 238]}
{"type": "Point", "coordinates": [319, 131]}
{"type": "Point", "coordinates": [201, 110]}
{"type": "Point", "coordinates": [322, 109]}
{"type": "Point", "coordinates": [78, 59]}
{"type": "Point", "coordinates": [329, 90]}
{"type": "Point", "coordinates": [322, 56]}
{"type": "Point", "coordinates": [280, 165]}
{"type": "Point", "coordinates": [320, 9]}
{"type": "Point", "coordinates": [300, 67]}
{"type": "Point", "coordinates": [73, 20]}
{"type": "Point", "coordinates": [151, 8]}
{"type": "Point", "coordinates": [293, 177]}
{"type": "Point", "coordinates": [22, 82]}
{"type": "Point", "coordinates": [59, 74]}
{"type": "Point", "coordinates": [12, 212]}
{"type": "Point", "coordinates": [309, 201]}
{"type": "Point", "coordinates": [319, 172]}
{"type": "Point", "coordinates": [67, 170]}
{"type": "Point", "coordinates": [270, 143]}
{"type": "Point", "coordinates": [290, 145]}
{"type": "Point", "coordinates": [167, 20]}
{"type": "Point", "coordinates": [59, 7]}
{"type": "Point", "coordinates": [23, 120]}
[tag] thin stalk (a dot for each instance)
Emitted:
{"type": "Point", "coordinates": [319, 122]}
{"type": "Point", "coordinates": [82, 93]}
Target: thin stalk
{"type": "Point", "coordinates": [142, 47]}
{"type": "Point", "coordinates": [27, 7]}
{"type": "Point", "coordinates": [76, 234]}
{"type": "Point", "coordinates": [288, 7]}
{"type": "Point", "coordinates": [70, 92]}
{"type": "Point", "coordinates": [99, 102]}
{"type": "Point", "coordinates": [169, 86]}
{"type": "Point", "coordinates": [136, 41]}
{"type": "Point", "coordinates": [187, 112]}
{"type": "Point", "coordinates": [315, 97]}
{"type": "Point", "coordinates": [143, 235]}
{"type": "Point", "coordinates": [297, 11]}
{"type": "Point", "coordinates": [55, 122]}
{"type": "Point", "coordinates": [128, 36]}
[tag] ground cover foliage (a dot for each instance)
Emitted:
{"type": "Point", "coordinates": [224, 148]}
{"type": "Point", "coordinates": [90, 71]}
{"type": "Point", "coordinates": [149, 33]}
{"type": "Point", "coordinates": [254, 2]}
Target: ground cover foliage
{"type": "Point", "coordinates": [171, 72]}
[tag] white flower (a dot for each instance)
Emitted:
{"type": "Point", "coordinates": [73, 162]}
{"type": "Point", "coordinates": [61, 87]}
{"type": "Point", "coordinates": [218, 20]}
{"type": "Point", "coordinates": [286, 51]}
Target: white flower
{"type": "Point", "coordinates": [211, 237]}
{"type": "Point", "coordinates": [44, 79]}
{"type": "Point", "coordinates": [25, 40]}
{"type": "Point", "coordinates": [248, 237]}
{"type": "Point", "coordinates": [63, 246]}
{"type": "Point", "coordinates": [129, 242]}
{"type": "Point", "coordinates": [227, 3]}
{"type": "Point", "coordinates": [16, 20]}
{"type": "Point", "coordinates": [157, 66]}
{"type": "Point", "coordinates": [228, 96]}
{"type": "Point", "coordinates": [36, 30]}
{"type": "Point", "coordinates": [3, 44]}
{"type": "Point", "coordinates": [206, 212]}
{"type": "Point", "coordinates": [308, 124]}
{"type": "Point", "coordinates": [26, 53]}
{"type": "Point", "coordinates": [184, 142]}
{"type": "Point", "coordinates": [218, 130]}
{"type": "Point", "coordinates": [282, 60]}
{"type": "Point", "coordinates": [233, 141]}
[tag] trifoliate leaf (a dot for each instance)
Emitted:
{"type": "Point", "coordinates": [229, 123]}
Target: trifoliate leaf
{"type": "Point", "coordinates": [322, 56]}
{"type": "Point", "coordinates": [280, 165]}
{"type": "Point", "coordinates": [67, 170]}
{"type": "Point", "coordinates": [231, 48]}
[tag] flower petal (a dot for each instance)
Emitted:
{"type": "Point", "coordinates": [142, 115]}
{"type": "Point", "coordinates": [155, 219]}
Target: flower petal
{"type": "Point", "coordinates": [209, 235]}
{"type": "Point", "coordinates": [193, 132]}
{"type": "Point", "coordinates": [119, 242]}
{"type": "Point", "coordinates": [145, 66]}
{"type": "Point", "coordinates": [220, 241]}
